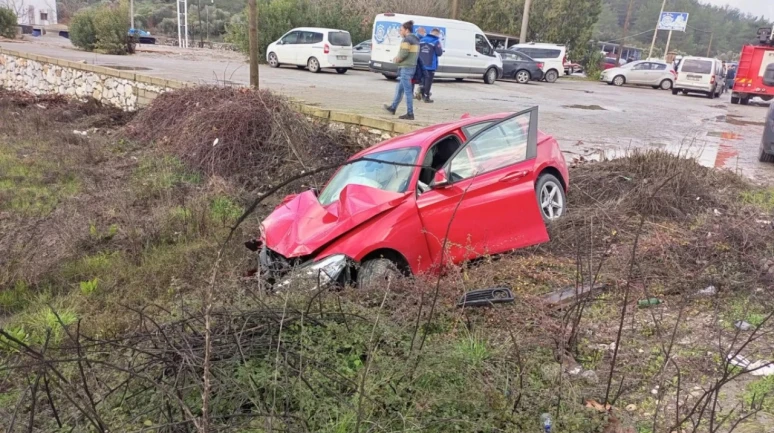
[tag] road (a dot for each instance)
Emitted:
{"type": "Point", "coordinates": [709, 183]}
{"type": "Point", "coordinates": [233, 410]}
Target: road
{"type": "Point", "coordinates": [588, 119]}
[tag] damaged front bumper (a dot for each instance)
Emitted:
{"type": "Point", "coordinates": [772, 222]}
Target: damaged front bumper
{"type": "Point", "coordinates": [303, 273]}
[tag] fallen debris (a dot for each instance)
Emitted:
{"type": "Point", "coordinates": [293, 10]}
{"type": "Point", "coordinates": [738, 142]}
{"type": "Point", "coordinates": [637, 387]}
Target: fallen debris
{"type": "Point", "coordinates": [742, 325]}
{"type": "Point", "coordinates": [708, 291]}
{"type": "Point", "coordinates": [563, 297]}
{"type": "Point", "coordinates": [477, 298]}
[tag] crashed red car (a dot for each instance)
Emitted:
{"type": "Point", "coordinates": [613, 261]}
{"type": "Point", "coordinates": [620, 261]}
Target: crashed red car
{"type": "Point", "coordinates": [491, 182]}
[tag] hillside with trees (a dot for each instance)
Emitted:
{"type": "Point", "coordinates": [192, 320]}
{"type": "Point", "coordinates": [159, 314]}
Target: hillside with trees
{"type": "Point", "coordinates": [727, 27]}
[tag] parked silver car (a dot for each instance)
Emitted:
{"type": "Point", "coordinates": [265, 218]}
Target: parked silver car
{"type": "Point", "coordinates": [654, 73]}
{"type": "Point", "coordinates": [361, 54]}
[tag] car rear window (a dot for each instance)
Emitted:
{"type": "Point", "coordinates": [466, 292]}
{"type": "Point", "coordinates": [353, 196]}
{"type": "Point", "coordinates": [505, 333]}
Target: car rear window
{"type": "Point", "coordinates": [340, 39]}
{"type": "Point", "coordinates": [697, 66]}
{"type": "Point", "coordinates": [540, 53]}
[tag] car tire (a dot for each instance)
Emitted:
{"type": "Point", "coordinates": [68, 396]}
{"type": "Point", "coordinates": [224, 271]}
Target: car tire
{"type": "Point", "coordinates": [619, 80]}
{"type": "Point", "coordinates": [490, 76]}
{"type": "Point", "coordinates": [375, 272]}
{"type": "Point", "coordinates": [300, 66]}
{"type": "Point", "coordinates": [674, 91]}
{"type": "Point", "coordinates": [390, 77]}
{"type": "Point", "coordinates": [552, 76]}
{"type": "Point", "coordinates": [666, 84]}
{"type": "Point", "coordinates": [735, 100]}
{"type": "Point", "coordinates": [459, 80]}
{"type": "Point", "coordinates": [341, 70]}
{"type": "Point", "coordinates": [745, 101]}
{"type": "Point", "coordinates": [522, 76]}
{"type": "Point", "coordinates": [765, 157]}
{"type": "Point", "coordinates": [273, 60]}
{"type": "Point", "coordinates": [313, 65]}
{"type": "Point", "coordinates": [684, 92]}
{"type": "Point", "coordinates": [711, 94]}
{"type": "Point", "coordinates": [551, 197]}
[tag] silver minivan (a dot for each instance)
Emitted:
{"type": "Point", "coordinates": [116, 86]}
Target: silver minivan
{"type": "Point", "coordinates": [699, 75]}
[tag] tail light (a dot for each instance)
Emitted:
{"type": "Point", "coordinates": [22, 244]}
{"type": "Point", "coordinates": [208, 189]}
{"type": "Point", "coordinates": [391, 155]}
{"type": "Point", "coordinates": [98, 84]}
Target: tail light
{"type": "Point", "coordinates": [326, 49]}
{"type": "Point", "coordinates": [712, 80]}
{"type": "Point", "coordinates": [564, 60]}
{"type": "Point", "coordinates": [540, 65]}
{"type": "Point", "coordinates": [674, 73]}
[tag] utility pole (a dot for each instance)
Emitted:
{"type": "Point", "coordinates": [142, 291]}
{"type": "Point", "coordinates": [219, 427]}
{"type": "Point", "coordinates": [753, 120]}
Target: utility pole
{"type": "Point", "coordinates": [525, 22]}
{"type": "Point", "coordinates": [253, 18]}
{"type": "Point", "coordinates": [625, 30]}
{"type": "Point", "coordinates": [201, 33]}
{"type": "Point", "coordinates": [709, 47]}
{"type": "Point", "coordinates": [131, 13]}
{"type": "Point", "coordinates": [666, 50]}
{"type": "Point", "coordinates": [455, 9]}
{"type": "Point", "coordinates": [655, 31]}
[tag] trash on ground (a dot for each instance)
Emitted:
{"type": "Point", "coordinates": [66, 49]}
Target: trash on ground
{"type": "Point", "coordinates": [481, 297]}
{"type": "Point", "coordinates": [645, 303]}
{"type": "Point", "coordinates": [547, 422]}
{"type": "Point", "coordinates": [77, 132]}
{"type": "Point", "coordinates": [593, 404]}
{"type": "Point", "coordinates": [708, 291]}
{"type": "Point", "coordinates": [742, 325]}
{"type": "Point", "coordinates": [761, 368]}
{"type": "Point", "coordinates": [562, 297]}
{"type": "Point", "coordinates": [631, 408]}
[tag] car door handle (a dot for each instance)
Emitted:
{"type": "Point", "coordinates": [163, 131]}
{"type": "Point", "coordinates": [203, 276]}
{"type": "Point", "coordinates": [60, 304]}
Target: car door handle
{"type": "Point", "coordinates": [469, 55]}
{"type": "Point", "coordinates": [514, 175]}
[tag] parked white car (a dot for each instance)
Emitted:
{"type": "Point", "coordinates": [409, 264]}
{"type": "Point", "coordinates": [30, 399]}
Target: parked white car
{"type": "Point", "coordinates": [654, 73]}
{"type": "Point", "coordinates": [312, 48]}
{"type": "Point", "coordinates": [700, 75]}
{"type": "Point", "coordinates": [467, 53]}
{"type": "Point", "coordinates": [552, 56]}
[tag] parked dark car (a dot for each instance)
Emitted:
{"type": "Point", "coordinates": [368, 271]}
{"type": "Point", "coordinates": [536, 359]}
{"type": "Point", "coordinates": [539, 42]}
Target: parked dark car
{"type": "Point", "coordinates": [361, 54]}
{"type": "Point", "coordinates": [520, 67]}
{"type": "Point", "coordinates": [767, 141]}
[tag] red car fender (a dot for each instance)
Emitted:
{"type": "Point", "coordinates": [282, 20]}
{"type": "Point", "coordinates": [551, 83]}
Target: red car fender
{"type": "Point", "coordinates": [399, 229]}
{"type": "Point", "coordinates": [550, 156]}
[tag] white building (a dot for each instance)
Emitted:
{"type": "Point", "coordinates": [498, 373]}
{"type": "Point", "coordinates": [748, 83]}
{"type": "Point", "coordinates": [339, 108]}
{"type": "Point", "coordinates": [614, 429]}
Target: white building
{"type": "Point", "coordinates": [32, 12]}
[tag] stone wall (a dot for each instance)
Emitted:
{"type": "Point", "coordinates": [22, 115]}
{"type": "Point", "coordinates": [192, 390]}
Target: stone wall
{"type": "Point", "coordinates": [45, 75]}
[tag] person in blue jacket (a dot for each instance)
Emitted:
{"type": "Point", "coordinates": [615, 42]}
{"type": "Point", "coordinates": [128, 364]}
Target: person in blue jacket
{"type": "Point", "coordinates": [429, 50]}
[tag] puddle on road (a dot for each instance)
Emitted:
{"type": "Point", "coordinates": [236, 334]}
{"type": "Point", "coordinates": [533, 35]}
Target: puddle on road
{"type": "Point", "coordinates": [725, 153]}
{"type": "Point", "coordinates": [127, 68]}
{"type": "Point", "coordinates": [585, 107]}
{"type": "Point", "coordinates": [725, 135]}
{"type": "Point", "coordinates": [718, 106]}
{"type": "Point", "coordinates": [578, 90]}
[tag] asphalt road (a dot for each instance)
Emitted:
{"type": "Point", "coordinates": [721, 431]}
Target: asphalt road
{"type": "Point", "coordinates": [588, 119]}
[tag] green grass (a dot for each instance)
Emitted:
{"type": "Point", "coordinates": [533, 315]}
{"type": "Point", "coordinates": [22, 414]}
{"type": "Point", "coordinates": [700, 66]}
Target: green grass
{"type": "Point", "coordinates": [762, 198]}
{"type": "Point", "coordinates": [156, 176]}
{"type": "Point", "coordinates": [761, 389]}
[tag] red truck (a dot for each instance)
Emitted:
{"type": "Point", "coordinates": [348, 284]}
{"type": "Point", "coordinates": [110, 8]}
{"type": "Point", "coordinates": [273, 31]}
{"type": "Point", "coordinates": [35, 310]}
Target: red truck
{"type": "Point", "coordinates": [755, 63]}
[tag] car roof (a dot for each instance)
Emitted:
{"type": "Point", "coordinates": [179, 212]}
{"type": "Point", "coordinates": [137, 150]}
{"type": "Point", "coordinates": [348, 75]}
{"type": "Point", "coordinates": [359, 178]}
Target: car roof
{"type": "Point", "coordinates": [316, 29]}
{"type": "Point", "coordinates": [426, 137]}
{"type": "Point", "coordinates": [539, 45]}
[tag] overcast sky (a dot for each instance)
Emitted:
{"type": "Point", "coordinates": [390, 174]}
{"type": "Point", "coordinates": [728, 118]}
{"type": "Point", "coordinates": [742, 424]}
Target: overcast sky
{"type": "Point", "coordinates": [755, 7]}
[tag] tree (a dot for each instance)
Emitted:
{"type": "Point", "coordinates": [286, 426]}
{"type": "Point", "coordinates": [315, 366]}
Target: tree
{"type": "Point", "coordinates": [7, 23]}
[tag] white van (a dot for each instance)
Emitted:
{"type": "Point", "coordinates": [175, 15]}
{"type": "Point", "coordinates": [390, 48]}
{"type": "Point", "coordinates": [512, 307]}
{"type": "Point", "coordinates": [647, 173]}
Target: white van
{"type": "Point", "coordinates": [313, 48]}
{"type": "Point", "coordinates": [467, 53]}
{"type": "Point", "coordinates": [699, 75]}
{"type": "Point", "coordinates": [552, 56]}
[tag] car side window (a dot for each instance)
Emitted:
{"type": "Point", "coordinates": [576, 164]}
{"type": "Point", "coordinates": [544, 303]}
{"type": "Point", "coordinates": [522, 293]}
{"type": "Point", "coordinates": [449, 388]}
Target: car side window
{"type": "Point", "coordinates": [659, 66]}
{"type": "Point", "coordinates": [641, 66]}
{"type": "Point", "coordinates": [502, 145]}
{"type": "Point", "coordinates": [290, 38]}
{"type": "Point", "coordinates": [482, 45]}
{"type": "Point", "coordinates": [310, 38]}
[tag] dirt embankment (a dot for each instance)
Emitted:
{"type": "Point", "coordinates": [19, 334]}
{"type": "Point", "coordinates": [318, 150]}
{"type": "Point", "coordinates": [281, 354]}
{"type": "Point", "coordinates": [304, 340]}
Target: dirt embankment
{"type": "Point", "coordinates": [110, 224]}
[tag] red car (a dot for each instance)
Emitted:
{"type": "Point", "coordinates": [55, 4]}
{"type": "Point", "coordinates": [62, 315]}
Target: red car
{"type": "Point", "coordinates": [491, 182]}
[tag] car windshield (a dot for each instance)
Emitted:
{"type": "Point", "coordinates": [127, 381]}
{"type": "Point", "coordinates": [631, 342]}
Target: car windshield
{"type": "Point", "coordinates": [340, 39]}
{"type": "Point", "coordinates": [697, 66]}
{"type": "Point", "coordinates": [386, 175]}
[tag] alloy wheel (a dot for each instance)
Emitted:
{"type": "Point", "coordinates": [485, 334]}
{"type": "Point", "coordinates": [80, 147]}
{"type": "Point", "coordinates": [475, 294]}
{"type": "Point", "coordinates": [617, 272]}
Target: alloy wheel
{"type": "Point", "coordinates": [551, 200]}
{"type": "Point", "coordinates": [273, 62]}
{"type": "Point", "coordinates": [522, 77]}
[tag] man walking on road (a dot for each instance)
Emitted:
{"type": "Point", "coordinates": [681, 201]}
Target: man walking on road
{"type": "Point", "coordinates": [429, 50]}
{"type": "Point", "coordinates": [407, 63]}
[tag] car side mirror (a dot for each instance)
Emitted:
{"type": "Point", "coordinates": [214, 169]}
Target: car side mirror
{"type": "Point", "coordinates": [358, 48]}
{"type": "Point", "coordinates": [440, 180]}
{"type": "Point", "coordinates": [280, 43]}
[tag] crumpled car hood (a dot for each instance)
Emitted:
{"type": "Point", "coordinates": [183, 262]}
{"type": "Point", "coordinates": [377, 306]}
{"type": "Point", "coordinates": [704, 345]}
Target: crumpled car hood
{"type": "Point", "coordinates": [301, 226]}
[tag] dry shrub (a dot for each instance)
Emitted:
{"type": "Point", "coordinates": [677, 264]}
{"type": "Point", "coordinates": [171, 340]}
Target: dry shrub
{"type": "Point", "coordinates": [654, 183]}
{"type": "Point", "coordinates": [251, 137]}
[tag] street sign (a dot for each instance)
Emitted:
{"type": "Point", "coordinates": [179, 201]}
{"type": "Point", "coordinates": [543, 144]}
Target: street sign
{"type": "Point", "coordinates": [673, 21]}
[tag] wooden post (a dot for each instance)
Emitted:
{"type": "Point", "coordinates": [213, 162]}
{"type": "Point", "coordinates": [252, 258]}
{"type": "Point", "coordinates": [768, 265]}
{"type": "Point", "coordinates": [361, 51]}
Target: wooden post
{"type": "Point", "coordinates": [455, 9]}
{"type": "Point", "coordinates": [666, 50]}
{"type": "Point", "coordinates": [709, 47]}
{"type": "Point", "coordinates": [253, 18]}
{"type": "Point", "coordinates": [655, 31]}
{"type": "Point", "coordinates": [625, 30]}
{"type": "Point", "coordinates": [525, 22]}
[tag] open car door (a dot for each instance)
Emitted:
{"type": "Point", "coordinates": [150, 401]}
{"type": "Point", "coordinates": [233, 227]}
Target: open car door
{"type": "Point", "coordinates": [484, 197]}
